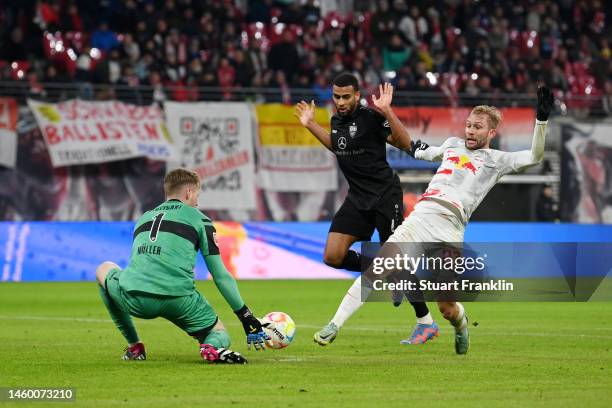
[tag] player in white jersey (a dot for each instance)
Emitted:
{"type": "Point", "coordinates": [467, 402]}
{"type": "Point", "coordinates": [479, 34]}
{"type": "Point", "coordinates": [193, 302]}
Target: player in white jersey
{"type": "Point", "coordinates": [469, 169]}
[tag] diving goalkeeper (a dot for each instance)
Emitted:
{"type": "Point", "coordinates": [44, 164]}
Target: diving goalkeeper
{"type": "Point", "coordinates": [159, 280]}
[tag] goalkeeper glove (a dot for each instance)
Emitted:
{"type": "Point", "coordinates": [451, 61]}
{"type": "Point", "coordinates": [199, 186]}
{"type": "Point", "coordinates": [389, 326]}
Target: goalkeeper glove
{"type": "Point", "coordinates": [545, 103]}
{"type": "Point", "coordinates": [416, 146]}
{"type": "Point", "coordinates": [253, 328]}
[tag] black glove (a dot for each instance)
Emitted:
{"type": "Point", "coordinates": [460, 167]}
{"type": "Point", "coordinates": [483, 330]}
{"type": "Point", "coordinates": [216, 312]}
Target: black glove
{"type": "Point", "coordinates": [253, 328]}
{"type": "Point", "coordinates": [416, 146]}
{"type": "Point", "coordinates": [545, 103]}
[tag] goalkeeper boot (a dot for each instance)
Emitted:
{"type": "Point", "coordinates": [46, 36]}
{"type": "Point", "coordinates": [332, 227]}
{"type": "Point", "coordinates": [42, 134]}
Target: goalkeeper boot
{"type": "Point", "coordinates": [135, 352]}
{"type": "Point", "coordinates": [462, 337]}
{"type": "Point", "coordinates": [220, 355]}
{"type": "Point", "coordinates": [422, 333]}
{"type": "Point", "coordinates": [326, 335]}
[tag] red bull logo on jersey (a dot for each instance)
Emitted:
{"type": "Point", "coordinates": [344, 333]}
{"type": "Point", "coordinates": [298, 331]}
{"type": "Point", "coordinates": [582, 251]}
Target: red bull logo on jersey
{"type": "Point", "coordinates": [461, 161]}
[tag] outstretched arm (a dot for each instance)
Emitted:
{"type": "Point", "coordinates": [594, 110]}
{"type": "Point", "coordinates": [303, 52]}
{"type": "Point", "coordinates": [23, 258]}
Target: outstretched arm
{"type": "Point", "coordinates": [306, 114]}
{"type": "Point", "coordinates": [422, 151]}
{"type": "Point", "coordinates": [399, 136]}
{"type": "Point", "coordinates": [224, 281]}
{"type": "Point", "coordinates": [519, 161]}
{"type": "Point", "coordinates": [226, 284]}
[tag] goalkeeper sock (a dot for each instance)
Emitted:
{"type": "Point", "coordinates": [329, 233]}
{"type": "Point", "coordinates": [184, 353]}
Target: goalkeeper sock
{"type": "Point", "coordinates": [352, 301]}
{"type": "Point", "coordinates": [460, 322]}
{"type": "Point", "coordinates": [217, 339]}
{"type": "Point", "coordinates": [352, 262]}
{"type": "Point", "coordinates": [122, 320]}
{"type": "Point", "coordinates": [427, 319]}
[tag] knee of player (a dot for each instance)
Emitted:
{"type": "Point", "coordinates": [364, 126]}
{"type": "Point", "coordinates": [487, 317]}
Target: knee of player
{"type": "Point", "coordinates": [333, 260]}
{"type": "Point", "coordinates": [447, 309]}
{"type": "Point", "coordinates": [103, 269]}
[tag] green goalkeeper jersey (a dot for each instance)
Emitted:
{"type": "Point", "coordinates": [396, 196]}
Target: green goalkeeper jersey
{"type": "Point", "coordinates": [166, 242]}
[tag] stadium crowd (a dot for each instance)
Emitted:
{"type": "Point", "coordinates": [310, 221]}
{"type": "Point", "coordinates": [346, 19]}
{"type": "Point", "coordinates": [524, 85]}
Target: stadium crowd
{"type": "Point", "coordinates": [450, 47]}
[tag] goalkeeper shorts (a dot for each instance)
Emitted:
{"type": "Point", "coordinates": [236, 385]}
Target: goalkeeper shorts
{"type": "Point", "coordinates": [192, 313]}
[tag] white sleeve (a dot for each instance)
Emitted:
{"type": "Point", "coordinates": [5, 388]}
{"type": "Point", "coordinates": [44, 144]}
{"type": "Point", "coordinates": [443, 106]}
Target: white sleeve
{"type": "Point", "coordinates": [433, 153]}
{"type": "Point", "coordinates": [516, 162]}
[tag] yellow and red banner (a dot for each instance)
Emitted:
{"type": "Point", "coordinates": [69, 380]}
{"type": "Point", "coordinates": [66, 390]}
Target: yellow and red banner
{"type": "Point", "coordinates": [290, 157]}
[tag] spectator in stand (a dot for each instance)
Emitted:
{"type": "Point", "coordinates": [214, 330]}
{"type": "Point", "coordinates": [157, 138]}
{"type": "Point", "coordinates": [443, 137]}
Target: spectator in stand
{"type": "Point", "coordinates": [292, 14]}
{"type": "Point", "coordinates": [227, 75]}
{"type": "Point", "coordinates": [284, 57]}
{"type": "Point", "coordinates": [383, 24]}
{"type": "Point", "coordinates": [395, 54]}
{"type": "Point", "coordinates": [127, 86]}
{"type": "Point", "coordinates": [14, 49]}
{"type": "Point", "coordinates": [244, 70]}
{"type": "Point", "coordinates": [414, 26]}
{"type": "Point", "coordinates": [104, 39]}
{"type": "Point", "coordinates": [311, 14]}
{"type": "Point", "coordinates": [322, 91]}
{"type": "Point", "coordinates": [130, 49]}
{"type": "Point", "coordinates": [257, 57]}
{"type": "Point", "coordinates": [570, 49]}
{"type": "Point", "coordinates": [71, 20]}
{"type": "Point", "coordinates": [259, 10]}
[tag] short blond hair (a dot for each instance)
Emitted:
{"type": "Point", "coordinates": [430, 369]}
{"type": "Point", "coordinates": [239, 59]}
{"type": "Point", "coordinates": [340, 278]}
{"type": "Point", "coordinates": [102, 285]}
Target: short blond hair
{"type": "Point", "coordinates": [178, 178]}
{"type": "Point", "coordinates": [495, 116]}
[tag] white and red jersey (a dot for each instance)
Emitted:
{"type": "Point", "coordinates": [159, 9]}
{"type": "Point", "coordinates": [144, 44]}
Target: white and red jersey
{"type": "Point", "coordinates": [465, 176]}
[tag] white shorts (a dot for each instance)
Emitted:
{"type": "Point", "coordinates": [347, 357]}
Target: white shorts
{"type": "Point", "coordinates": [429, 227]}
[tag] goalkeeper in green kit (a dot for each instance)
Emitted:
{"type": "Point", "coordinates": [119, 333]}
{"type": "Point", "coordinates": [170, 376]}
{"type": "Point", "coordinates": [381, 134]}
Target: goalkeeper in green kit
{"type": "Point", "coordinates": [159, 280]}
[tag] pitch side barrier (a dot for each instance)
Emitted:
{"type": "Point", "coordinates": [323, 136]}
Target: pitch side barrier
{"type": "Point", "coordinates": [571, 254]}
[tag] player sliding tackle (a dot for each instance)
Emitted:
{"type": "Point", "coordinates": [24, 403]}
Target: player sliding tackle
{"type": "Point", "coordinates": [469, 169]}
{"type": "Point", "coordinates": [158, 282]}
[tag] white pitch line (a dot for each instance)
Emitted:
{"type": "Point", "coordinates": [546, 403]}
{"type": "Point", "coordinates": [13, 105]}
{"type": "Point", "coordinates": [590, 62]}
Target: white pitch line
{"type": "Point", "coordinates": [476, 331]}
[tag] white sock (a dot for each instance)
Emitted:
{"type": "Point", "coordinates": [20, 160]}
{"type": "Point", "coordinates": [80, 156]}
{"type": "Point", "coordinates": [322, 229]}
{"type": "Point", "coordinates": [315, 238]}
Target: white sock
{"type": "Point", "coordinates": [427, 319]}
{"type": "Point", "coordinates": [351, 302]}
{"type": "Point", "coordinates": [460, 322]}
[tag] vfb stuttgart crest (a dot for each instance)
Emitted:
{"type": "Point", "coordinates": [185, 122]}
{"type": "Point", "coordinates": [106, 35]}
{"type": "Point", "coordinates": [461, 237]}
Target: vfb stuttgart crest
{"type": "Point", "coordinates": [353, 129]}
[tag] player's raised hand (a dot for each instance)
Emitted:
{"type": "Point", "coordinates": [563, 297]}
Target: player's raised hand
{"type": "Point", "coordinates": [305, 112]}
{"type": "Point", "coordinates": [385, 96]}
{"type": "Point", "coordinates": [545, 103]}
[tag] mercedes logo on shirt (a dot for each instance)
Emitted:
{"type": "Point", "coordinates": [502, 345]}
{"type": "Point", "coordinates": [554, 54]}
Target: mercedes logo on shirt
{"type": "Point", "coordinates": [342, 142]}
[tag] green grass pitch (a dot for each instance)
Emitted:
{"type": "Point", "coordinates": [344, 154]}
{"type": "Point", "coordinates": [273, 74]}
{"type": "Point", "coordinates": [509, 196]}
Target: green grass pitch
{"type": "Point", "coordinates": [527, 354]}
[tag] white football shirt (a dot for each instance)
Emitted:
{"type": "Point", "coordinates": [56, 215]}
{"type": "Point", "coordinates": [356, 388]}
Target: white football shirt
{"type": "Point", "coordinates": [466, 176]}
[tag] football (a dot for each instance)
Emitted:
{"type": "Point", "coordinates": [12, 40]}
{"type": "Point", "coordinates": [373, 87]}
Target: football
{"type": "Point", "coordinates": [281, 331]}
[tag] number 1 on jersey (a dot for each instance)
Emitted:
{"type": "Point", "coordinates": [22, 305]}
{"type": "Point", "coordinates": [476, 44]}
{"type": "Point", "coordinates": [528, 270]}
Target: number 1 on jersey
{"type": "Point", "coordinates": [155, 227]}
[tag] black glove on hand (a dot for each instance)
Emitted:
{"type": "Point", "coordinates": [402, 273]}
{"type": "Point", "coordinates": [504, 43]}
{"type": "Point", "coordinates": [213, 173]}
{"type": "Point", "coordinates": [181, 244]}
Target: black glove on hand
{"type": "Point", "coordinates": [416, 146]}
{"type": "Point", "coordinates": [545, 103]}
{"type": "Point", "coordinates": [253, 328]}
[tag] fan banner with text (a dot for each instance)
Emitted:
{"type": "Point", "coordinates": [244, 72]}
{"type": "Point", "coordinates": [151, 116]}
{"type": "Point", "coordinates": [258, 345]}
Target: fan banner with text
{"type": "Point", "coordinates": [82, 132]}
{"type": "Point", "coordinates": [216, 140]}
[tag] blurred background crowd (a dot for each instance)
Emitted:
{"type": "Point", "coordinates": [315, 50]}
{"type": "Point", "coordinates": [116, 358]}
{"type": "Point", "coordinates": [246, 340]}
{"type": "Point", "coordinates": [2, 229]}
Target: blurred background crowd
{"type": "Point", "coordinates": [444, 47]}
